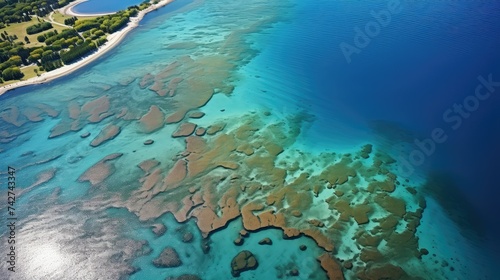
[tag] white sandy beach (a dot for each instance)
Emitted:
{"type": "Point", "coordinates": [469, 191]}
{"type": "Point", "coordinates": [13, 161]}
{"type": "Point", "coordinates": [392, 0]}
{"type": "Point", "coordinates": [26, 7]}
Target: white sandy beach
{"type": "Point", "coordinates": [113, 40]}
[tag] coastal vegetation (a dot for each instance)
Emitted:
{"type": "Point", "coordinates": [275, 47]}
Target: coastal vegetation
{"type": "Point", "coordinates": [37, 28]}
{"type": "Point", "coordinates": [33, 42]}
{"type": "Point", "coordinates": [20, 11]}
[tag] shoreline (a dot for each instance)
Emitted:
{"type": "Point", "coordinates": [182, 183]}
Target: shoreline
{"type": "Point", "coordinates": [68, 10]}
{"type": "Point", "coordinates": [113, 40]}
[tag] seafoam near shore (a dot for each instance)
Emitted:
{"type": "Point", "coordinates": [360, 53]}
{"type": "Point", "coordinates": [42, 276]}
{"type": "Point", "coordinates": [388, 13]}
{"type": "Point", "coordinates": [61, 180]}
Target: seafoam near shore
{"type": "Point", "coordinates": [113, 40]}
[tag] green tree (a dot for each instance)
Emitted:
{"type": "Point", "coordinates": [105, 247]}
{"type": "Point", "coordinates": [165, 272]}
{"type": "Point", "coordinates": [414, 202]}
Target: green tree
{"type": "Point", "coordinates": [15, 60]}
{"type": "Point", "coordinates": [13, 73]}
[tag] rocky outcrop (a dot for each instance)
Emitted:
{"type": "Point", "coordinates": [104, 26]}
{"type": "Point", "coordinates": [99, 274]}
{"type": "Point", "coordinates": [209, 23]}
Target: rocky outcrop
{"type": "Point", "coordinates": [168, 258]}
{"type": "Point", "coordinates": [187, 237]}
{"type": "Point", "coordinates": [159, 229]}
{"type": "Point", "coordinates": [238, 241]}
{"type": "Point", "coordinates": [244, 261]}
{"type": "Point", "coordinates": [85, 134]}
{"type": "Point", "coordinates": [266, 241]}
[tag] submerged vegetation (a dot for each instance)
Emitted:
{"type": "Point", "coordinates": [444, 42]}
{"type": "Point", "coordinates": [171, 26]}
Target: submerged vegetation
{"type": "Point", "coordinates": [30, 37]}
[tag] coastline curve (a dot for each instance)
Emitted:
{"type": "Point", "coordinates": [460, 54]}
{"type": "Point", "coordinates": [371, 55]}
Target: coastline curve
{"type": "Point", "coordinates": [68, 10]}
{"type": "Point", "coordinates": [113, 40]}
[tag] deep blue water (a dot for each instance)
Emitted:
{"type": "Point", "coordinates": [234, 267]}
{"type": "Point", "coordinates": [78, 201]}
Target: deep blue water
{"type": "Point", "coordinates": [423, 62]}
{"type": "Point", "coordinates": [427, 58]}
{"type": "Point", "coordinates": [104, 6]}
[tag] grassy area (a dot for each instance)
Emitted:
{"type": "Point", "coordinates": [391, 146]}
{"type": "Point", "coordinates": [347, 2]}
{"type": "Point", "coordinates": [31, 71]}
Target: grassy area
{"type": "Point", "coordinates": [57, 49]}
{"type": "Point", "coordinates": [19, 29]}
{"type": "Point", "coordinates": [9, 82]}
{"type": "Point", "coordinates": [29, 72]}
{"type": "Point", "coordinates": [58, 17]}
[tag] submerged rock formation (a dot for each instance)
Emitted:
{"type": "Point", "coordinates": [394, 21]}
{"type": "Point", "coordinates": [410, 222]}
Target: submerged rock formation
{"type": "Point", "coordinates": [243, 261]}
{"type": "Point", "coordinates": [168, 258]}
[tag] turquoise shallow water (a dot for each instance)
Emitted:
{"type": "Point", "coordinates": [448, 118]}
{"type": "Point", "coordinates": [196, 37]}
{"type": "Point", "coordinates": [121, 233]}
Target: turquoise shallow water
{"type": "Point", "coordinates": [283, 58]}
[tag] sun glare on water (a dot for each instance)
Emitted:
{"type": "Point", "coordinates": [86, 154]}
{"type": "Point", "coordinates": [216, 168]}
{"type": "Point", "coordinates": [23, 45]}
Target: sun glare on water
{"type": "Point", "coordinates": [46, 259]}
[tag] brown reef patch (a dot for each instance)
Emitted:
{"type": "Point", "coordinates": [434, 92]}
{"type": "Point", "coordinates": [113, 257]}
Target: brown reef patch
{"type": "Point", "coordinates": [196, 115]}
{"type": "Point", "coordinates": [385, 271]}
{"type": "Point", "coordinates": [59, 129]}
{"type": "Point", "coordinates": [203, 158]}
{"type": "Point", "coordinates": [185, 129]}
{"type": "Point", "coordinates": [387, 186]}
{"type": "Point", "coordinates": [12, 115]}
{"type": "Point", "coordinates": [358, 212]}
{"type": "Point", "coordinates": [33, 114]}
{"type": "Point", "coordinates": [168, 258]}
{"type": "Point", "coordinates": [148, 164]}
{"type": "Point", "coordinates": [243, 261]}
{"type": "Point", "coordinates": [85, 135]}
{"type": "Point", "coordinates": [338, 173]}
{"type": "Point", "coordinates": [74, 110]}
{"type": "Point", "coordinates": [151, 180]}
{"type": "Point", "coordinates": [332, 268]}
{"type": "Point", "coordinates": [159, 229]}
{"type": "Point", "coordinates": [176, 117]}
{"type": "Point", "coordinates": [266, 241]}
{"type": "Point", "coordinates": [238, 172]}
{"type": "Point", "coordinates": [152, 120]}
{"type": "Point", "coordinates": [106, 134]}
{"type": "Point", "coordinates": [98, 172]}
{"type": "Point", "coordinates": [200, 131]}
{"type": "Point", "coordinates": [41, 178]}
{"type": "Point", "coordinates": [49, 110]}
{"type": "Point", "coordinates": [366, 151]}
{"type": "Point", "coordinates": [172, 85]}
{"type": "Point", "coordinates": [208, 74]}
{"type": "Point", "coordinates": [370, 255]}
{"type": "Point", "coordinates": [391, 204]}
{"type": "Point", "coordinates": [321, 239]}
{"type": "Point", "coordinates": [365, 239]}
{"type": "Point", "coordinates": [176, 174]}
{"type": "Point", "coordinates": [96, 110]}
{"type": "Point", "coordinates": [245, 148]}
{"type": "Point", "coordinates": [146, 81]}
{"type": "Point", "coordinates": [213, 129]}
